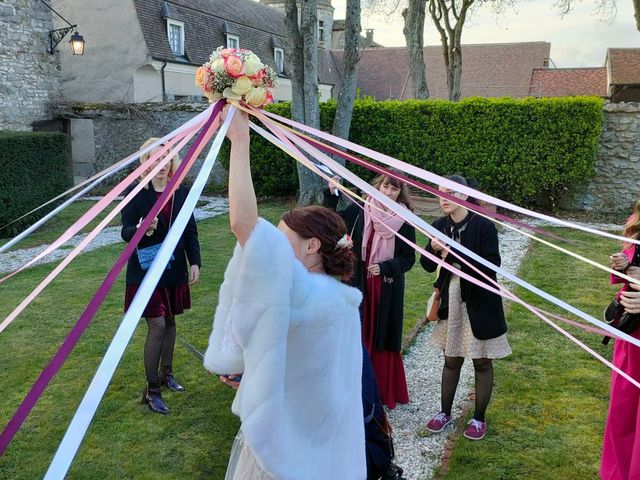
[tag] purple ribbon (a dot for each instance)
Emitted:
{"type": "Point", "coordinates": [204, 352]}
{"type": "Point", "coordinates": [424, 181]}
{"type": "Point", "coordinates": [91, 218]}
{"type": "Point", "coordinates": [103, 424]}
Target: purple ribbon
{"type": "Point", "coordinates": [85, 319]}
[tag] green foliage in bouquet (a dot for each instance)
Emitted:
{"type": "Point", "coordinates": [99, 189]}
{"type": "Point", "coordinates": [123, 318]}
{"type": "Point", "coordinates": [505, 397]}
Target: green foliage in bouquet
{"type": "Point", "coordinates": [36, 168]}
{"type": "Point", "coordinates": [533, 152]}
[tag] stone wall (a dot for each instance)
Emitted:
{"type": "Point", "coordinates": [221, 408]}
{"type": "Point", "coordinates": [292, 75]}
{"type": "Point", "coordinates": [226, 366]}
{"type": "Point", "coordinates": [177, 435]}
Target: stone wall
{"type": "Point", "coordinates": [120, 129]}
{"type": "Point", "coordinates": [616, 183]}
{"type": "Point", "coordinates": [28, 73]}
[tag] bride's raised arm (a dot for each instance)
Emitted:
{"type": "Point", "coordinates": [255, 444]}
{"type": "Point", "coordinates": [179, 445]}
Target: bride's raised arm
{"type": "Point", "coordinates": [243, 208]}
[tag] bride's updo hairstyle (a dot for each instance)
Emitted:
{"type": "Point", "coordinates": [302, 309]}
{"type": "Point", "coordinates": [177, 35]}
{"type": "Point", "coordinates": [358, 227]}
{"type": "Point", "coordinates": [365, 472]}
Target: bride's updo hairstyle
{"type": "Point", "coordinates": [327, 226]}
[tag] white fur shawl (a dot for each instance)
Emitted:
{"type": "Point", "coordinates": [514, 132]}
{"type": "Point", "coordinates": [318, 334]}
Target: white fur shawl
{"type": "Point", "coordinates": [296, 337]}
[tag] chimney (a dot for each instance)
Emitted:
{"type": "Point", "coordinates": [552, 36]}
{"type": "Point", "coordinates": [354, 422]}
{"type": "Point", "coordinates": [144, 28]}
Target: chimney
{"type": "Point", "coordinates": [369, 36]}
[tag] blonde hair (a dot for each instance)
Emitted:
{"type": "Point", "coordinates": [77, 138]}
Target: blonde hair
{"type": "Point", "coordinates": [632, 227]}
{"type": "Point", "coordinates": [175, 161]}
{"type": "Point", "coordinates": [404, 196]}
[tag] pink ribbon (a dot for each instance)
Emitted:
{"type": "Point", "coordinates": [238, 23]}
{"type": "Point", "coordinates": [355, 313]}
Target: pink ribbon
{"type": "Point", "coordinates": [284, 137]}
{"type": "Point", "coordinates": [83, 322]}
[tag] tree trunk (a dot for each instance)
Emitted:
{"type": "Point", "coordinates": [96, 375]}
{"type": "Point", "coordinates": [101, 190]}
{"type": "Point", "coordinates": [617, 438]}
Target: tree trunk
{"type": "Point", "coordinates": [414, 35]}
{"type": "Point", "coordinates": [344, 108]}
{"type": "Point", "coordinates": [310, 184]}
{"type": "Point", "coordinates": [636, 13]}
{"type": "Point", "coordinates": [293, 60]}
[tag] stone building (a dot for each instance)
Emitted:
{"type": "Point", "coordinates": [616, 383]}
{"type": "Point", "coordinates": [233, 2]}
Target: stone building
{"type": "Point", "coordinates": [29, 75]}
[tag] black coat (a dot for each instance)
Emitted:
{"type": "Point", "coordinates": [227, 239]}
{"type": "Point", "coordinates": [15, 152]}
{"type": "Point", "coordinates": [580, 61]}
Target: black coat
{"type": "Point", "coordinates": [187, 247]}
{"type": "Point", "coordinates": [388, 328]}
{"type": "Point", "coordinates": [484, 308]}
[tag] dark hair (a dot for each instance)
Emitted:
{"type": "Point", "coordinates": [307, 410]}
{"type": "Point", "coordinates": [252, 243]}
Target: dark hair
{"type": "Point", "coordinates": [328, 227]}
{"type": "Point", "coordinates": [471, 183]}
{"type": "Point", "coordinates": [404, 197]}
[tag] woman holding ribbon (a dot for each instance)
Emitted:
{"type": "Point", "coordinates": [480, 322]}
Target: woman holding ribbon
{"type": "Point", "coordinates": [383, 260]}
{"type": "Point", "coordinates": [472, 323]}
{"type": "Point", "coordinates": [621, 446]}
{"type": "Point", "coordinates": [286, 322]}
{"type": "Point", "coordinates": [171, 296]}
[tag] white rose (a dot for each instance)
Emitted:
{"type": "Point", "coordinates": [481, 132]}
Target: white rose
{"type": "Point", "coordinates": [217, 64]}
{"type": "Point", "coordinates": [256, 96]}
{"type": "Point", "coordinates": [241, 86]}
{"type": "Point", "coordinates": [252, 65]}
{"type": "Point", "coordinates": [228, 93]}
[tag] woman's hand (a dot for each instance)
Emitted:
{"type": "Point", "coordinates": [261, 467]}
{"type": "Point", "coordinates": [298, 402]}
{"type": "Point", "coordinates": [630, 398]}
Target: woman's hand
{"type": "Point", "coordinates": [239, 127]}
{"type": "Point", "coordinates": [228, 382]}
{"type": "Point", "coordinates": [374, 269]}
{"type": "Point", "coordinates": [618, 261]}
{"type": "Point", "coordinates": [152, 226]}
{"type": "Point", "coordinates": [630, 299]}
{"type": "Point", "coordinates": [194, 274]}
{"type": "Point", "coordinates": [333, 182]}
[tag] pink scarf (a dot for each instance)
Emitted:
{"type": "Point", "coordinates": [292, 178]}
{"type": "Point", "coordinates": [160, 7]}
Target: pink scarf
{"type": "Point", "coordinates": [383, 224]}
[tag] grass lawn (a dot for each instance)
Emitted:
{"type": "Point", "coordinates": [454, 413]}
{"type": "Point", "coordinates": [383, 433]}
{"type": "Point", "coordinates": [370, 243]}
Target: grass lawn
{"type": "Point", "coordinates": [546, 418]}
{"type": "Point", "coordinates": [125, 439]}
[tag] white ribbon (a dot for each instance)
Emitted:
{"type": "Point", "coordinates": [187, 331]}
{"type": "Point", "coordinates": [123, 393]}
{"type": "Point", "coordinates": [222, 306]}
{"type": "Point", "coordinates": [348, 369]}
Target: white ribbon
{"type": "Point", "coordinates": [106, 173]}
{"type": "Point", "coordinates": [85, 412]}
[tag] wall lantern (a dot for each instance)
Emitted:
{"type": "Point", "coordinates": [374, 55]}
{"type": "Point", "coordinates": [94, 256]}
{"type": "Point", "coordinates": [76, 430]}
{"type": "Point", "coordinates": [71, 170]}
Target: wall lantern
{"type": "Point", "coordinates": [55, 36]}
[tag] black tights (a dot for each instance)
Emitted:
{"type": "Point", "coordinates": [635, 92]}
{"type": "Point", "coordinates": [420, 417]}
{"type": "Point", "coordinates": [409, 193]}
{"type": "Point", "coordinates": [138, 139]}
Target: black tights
{"type": "Point", "coordinates": [483, 368]}
{"type": "Point", "coordinates": [158, 348]}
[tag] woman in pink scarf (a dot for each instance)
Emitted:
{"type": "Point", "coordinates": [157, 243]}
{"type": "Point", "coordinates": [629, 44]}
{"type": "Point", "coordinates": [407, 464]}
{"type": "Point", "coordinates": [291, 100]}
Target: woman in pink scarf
{"type": "Point", "coordinates": [621, 446]}
{"type": "Point", "coordinates": [383, 261]}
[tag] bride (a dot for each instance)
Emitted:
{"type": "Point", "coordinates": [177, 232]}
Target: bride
{"type": "Point", "coordinates": [286, 322]}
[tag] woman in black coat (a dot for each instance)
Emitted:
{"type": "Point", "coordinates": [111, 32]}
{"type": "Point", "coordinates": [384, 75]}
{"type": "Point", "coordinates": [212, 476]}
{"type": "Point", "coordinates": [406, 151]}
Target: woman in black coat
{"type": "Point", "coordinates": [171, 296]}
{"type": "Point", "coordinates": [472, 323]}
{"type": "Point", "coordinates": [382, 262]}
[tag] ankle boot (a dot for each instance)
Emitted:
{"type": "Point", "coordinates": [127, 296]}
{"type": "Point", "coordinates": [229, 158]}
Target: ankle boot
{"type": "Point", "coordinates": [167, 379]}
{"type": "Point", "coordinates": [151, 396]}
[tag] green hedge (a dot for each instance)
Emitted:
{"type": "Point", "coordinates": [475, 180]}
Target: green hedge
{"type": "Point", "coordinates": [528, 151]}
{"type": "Point", "coordinates": [35, 168]}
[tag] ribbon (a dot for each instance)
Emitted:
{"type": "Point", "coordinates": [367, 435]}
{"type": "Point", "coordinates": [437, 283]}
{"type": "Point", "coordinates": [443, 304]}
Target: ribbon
{"type": "Point", "coordinates": [83, 322]}
{"type": "Point", "coordinates": [439, 180]}
{"type": "Point", "coordinates": [106, 200]}
{"type": "Point", "coordinates": [85, 241]}
{"type": "Point", "coordinates": [95, 180]}
{"type": "Point", "coordinates": [85, 412]}
{"type": "Point", "coordinates": [400, 210]}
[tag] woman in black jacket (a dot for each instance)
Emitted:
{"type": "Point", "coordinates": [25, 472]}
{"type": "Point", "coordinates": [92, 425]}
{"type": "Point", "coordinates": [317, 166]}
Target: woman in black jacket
{"type": "Point", "coordinates": [472, 323]}
{"type": "Point", "coordinates": [382, 262]}
{"type": "Point", "coordinates": [171, 296]}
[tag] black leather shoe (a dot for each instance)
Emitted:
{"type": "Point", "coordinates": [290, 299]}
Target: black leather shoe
{"type": "Point", "coordinates": [170, 382]}
{"type": "Point", "coordinates": [394, 472]}
{"type": "Point", "coordinates": [152, 397]}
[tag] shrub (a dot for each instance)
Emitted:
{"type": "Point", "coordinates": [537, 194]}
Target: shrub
{"type": "Point", "coordinates": [35, 168]}
{"type": "Point", "coordinates": [527, 151]}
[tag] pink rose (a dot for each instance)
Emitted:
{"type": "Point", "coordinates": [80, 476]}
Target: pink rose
{"type": "Point", "coordinates": [233, 65]}
{"type": "Point", "coordinates": [201, 77]}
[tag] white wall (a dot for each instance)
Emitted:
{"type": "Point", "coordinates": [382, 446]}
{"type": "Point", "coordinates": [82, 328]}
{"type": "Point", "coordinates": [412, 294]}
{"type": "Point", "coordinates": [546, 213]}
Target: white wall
{"type": "Point", "coordinates": [114, 49]}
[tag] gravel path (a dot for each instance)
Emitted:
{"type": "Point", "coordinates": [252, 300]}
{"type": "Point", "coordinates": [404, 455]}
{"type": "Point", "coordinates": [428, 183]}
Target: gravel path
{"type": "Point", "coordinates": [417, 451]}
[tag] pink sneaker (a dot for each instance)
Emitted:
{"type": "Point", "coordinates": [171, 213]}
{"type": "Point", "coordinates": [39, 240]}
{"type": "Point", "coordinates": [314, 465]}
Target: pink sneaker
{"type": "Point", "coordinates": [475, 429]}
{"type": "Point", "coordinates": [437, 423]}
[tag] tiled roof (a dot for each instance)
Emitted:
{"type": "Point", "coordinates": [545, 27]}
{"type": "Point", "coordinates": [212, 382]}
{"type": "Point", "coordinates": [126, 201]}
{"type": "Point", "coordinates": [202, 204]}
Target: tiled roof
{"type": "Point", "coordinates": [625, 66]}
{"type": "Point", "coordinates": [257, 26]}
{"type": "Point", "coordinates": [563, 82]}
{"type": "Point", "coordinates": [488, 70]}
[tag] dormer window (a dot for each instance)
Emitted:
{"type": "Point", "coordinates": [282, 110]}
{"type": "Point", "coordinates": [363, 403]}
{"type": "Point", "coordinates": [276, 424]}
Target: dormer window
{"type": "Point", "coordinates": [175, 33]}
{"type": "Point", "coordinates": [233, 41]}
{"type": "Point", "coordinates": [278, 55]}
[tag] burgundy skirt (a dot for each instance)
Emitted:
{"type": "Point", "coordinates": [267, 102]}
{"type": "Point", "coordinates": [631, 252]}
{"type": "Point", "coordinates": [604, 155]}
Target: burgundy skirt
{"type": "Point", "coordinates": [387, 365]}
{"type": "Point", "coordinates": [164, 302]}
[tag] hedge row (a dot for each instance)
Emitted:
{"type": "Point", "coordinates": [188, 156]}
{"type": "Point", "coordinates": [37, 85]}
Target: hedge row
{"type": "Point", "coordinates": [35, 168]}
{"type": "Point", "coordinates": [528, 151]}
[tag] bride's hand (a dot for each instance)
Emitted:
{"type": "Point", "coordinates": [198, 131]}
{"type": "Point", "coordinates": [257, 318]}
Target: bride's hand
{"type": "Point", "coordinates": [239, 127]}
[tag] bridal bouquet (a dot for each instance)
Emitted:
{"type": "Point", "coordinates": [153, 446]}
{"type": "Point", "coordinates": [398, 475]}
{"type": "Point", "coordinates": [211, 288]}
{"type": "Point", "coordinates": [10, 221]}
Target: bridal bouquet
{"type": "Point", "coordinates": [236, 74]}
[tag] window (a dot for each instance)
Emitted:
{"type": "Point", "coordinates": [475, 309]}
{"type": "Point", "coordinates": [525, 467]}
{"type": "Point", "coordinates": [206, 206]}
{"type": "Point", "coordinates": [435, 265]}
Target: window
{"type": "Point", "coordinates": [278, 54]}
{"type": "Point", "coordinates": [233, 41]}
{"type": "Point", "coordinates": [321, 31]}
{"type": "Point", "coordinates": [175, 32]}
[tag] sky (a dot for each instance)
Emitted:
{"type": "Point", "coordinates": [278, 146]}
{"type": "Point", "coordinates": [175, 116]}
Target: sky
{"type": "Point", "coordinates": [580, 39]}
